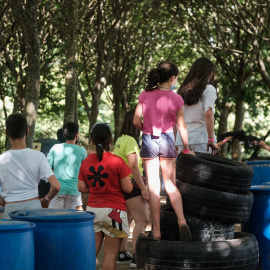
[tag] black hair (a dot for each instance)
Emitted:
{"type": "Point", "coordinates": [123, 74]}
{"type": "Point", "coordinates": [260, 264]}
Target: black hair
{"type": "Point", "coordinates": [128, 127]}
{"type": "Point", "coordinates": [60, 135]}
{"type": "Point", "coordinates": [161, 74]}
{"type": "Point", "coordinates": [16, 126]}
{"type": "Point", "coordinates": [200, 74]}
{"type": "Point", "coordinates": [70, 130]}
{"type": "Point", "coordinates": [101, 135]}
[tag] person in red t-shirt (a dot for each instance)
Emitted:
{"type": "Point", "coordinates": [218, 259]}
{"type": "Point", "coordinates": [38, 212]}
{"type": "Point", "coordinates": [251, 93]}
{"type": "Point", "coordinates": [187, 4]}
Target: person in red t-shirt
{"type": "Point", "coordinates": [105, 177]}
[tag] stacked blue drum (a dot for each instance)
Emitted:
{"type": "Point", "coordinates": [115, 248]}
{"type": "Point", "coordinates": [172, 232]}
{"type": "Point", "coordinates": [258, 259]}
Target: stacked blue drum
{"type": "Point", "coordinates": [17, 245]}
{"type": "Point", "coordinates": [63, 238]}
{"type": "Point", "coordinates": [259, 221]}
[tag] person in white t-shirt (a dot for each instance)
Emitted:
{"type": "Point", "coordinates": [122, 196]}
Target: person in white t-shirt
{"type": "Point", "coordinates": [21, 169]}
{"type": "Point", "coordinates": [199, 96]}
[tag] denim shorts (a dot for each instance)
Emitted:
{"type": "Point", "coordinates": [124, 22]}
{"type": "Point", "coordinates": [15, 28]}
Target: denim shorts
{"type": "Point", "coordinates": [162, 146]}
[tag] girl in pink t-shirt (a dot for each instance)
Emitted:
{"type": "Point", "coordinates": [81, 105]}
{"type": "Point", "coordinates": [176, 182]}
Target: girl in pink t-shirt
{"type": "Point", "coordinates": [161, 109]}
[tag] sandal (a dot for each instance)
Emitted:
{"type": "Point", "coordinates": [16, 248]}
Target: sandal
{"type": "Point", "coordinates": [185, 234]}
{"type": "Point", "coordinates": [149, 235]}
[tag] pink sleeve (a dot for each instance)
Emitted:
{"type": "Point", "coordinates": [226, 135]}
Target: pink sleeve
{"type": "Point", "coordinates": [141, 97]}
{"type": "Point", "coordinates": [180, 102]}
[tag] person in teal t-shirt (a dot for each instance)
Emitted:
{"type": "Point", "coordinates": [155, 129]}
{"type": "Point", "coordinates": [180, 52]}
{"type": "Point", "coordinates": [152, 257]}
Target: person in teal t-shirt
{"type": "Point", "coordinates": [66, 159]}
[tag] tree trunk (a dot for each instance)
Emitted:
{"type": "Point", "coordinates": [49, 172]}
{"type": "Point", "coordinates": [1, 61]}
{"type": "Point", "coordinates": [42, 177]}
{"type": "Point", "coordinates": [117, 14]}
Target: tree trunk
{"type": "Point", "coordinates": [19, 96]}
{"type": "Point", "coordinates": [71, 8]}
{"type": "Point", "coordinates": [223, 125]}
{"type": "Point", "coordinates": [117, 114]}
{"type": "Point", "coordinates": [239, 117]}
{"type": "Point", "coordinates": [261, 66]}
{"type": "Point", "coordinates": [27, 14]}
{"type": "Point", "coordinates": [94, 109]}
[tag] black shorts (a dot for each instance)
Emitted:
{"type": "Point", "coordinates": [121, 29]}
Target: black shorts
{"type": "Point", "coordinates": [134, 193]}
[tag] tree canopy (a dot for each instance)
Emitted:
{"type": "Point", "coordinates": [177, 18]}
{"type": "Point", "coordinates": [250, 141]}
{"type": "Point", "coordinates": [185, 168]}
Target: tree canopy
{"type": "Point", "coordinates": [86, 61]}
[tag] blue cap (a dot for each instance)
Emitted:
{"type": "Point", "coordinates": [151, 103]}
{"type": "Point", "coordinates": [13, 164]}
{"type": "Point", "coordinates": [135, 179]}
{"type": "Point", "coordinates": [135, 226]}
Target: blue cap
{"type": "Point", "coordinates": [264, 188]}
{"type": "Point", "coordinates": [8, 224]}
{"type": "Point", "coordinates": [52, 215]}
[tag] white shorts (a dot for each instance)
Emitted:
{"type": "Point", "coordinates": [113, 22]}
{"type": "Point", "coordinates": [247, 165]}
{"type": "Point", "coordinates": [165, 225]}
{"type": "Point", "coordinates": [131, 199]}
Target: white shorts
{"type": "Point", "coordinates": [79, 201]}
{"type": "Point", "coordinates": [64, 201]}
{"type": "Point", "coordinates": [111, 221]}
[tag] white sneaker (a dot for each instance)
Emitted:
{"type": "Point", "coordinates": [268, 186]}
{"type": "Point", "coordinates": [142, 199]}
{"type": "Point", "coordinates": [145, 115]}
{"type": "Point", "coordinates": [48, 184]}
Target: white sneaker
{"type": "Point", "coordinates": [133, 262]}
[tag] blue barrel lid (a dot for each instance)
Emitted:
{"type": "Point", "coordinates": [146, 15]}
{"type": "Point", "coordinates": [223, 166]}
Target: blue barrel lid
{"type": "Point", "coordinates": [261, 163]}
{"type": "Point", "coordinates": [9, 224]}
{"type": "Point", "coordinates": [264, 188]}
{"type": "Point", "coordinates": [52, 215]}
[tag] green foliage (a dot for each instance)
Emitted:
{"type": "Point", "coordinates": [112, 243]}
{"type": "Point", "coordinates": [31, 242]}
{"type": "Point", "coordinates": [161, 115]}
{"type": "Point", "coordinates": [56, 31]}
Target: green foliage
{"type": "Point", "coordinates": [120, 40]}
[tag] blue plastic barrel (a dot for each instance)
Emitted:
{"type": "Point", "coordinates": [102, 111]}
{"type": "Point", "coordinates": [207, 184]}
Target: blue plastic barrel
{"type": "Point", "coordinates": [64, 238]}
{"type": "Point", "coordinates": [2, 208]}
{"type": "Point", "coordinates": [16, 245]}
{"type": "Point", "coordinates": [261, 171]}
{"type": "Point", "coordinates": [259, 223]}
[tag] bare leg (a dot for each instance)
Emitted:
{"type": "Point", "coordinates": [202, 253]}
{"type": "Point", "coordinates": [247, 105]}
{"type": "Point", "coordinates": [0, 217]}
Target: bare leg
{"type": "Point", "coordinates": [152, 171]}
{"type": "Point", "coordinates": [139, 210]}
{"type": "Point", "coordinates": [168, 174]}
{"type": "Point", "coordinates": [111, 248]}
{"type": "Point", "coordinates": [98, 240]}
{"type": "Point", "coordinates": [124, 244]}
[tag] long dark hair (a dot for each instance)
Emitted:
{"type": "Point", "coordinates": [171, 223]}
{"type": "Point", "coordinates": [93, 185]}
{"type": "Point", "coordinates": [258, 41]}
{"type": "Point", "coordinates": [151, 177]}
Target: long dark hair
{"type": "Point", "coordinates": [127, 127]}
{"type": "Point", "coordinates": [101, 135]}
{"type": "Point", "coordinates": [161, 74]}
{"type": "Point", "coordinates": [196, 80]}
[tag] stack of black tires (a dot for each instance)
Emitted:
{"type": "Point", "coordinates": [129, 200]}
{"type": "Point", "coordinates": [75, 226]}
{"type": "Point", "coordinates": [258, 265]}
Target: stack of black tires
{"type": "Point", "coordinates": [216, 196]}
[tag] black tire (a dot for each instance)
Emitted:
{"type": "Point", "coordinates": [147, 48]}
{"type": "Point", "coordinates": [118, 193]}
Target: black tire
{"type": "Point", "coordinates": [214, 205]}
{"type": "Point", "coordinates": [201, 230]}
{"type": "Point", "coordinates": [214, 172]}
{"type": "Point", "coordinates": [240, 253]}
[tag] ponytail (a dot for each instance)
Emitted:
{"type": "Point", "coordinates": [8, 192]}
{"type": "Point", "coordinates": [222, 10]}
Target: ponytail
{"type": "Point", "coordinates": [100, 150]}
{"type": "Point", "coordinates": [152, 79]}
{"type": "Point", "coordinates": [161, 74]}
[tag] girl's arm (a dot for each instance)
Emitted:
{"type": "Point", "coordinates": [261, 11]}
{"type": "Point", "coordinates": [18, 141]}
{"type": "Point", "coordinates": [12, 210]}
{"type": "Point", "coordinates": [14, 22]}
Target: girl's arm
{"type": "Point", "coordinates": [133, 165]}
{"type": "Point", "coordinates": [264, 145]}
{"type": "Point", "coordinates": [209, 122]}
{"type": "Point", "coordinates": [182, 129]}
{"type": "Point", "coordinates": [137, 121]}
{"type": "Point", "coordinates": [126, 184]}
{"type": "Point", "coordinates": [227, 139]}
{"type": "Point", "coordinates": [83, 186]}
